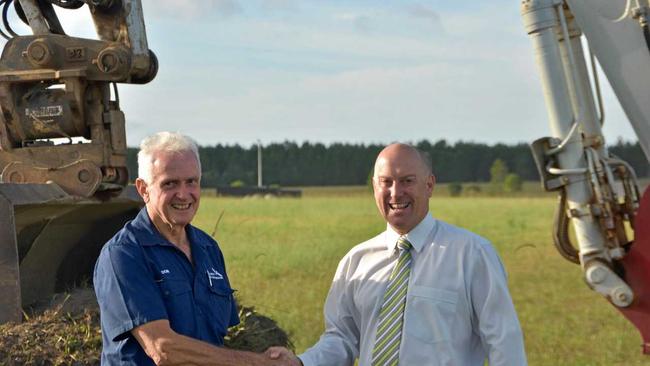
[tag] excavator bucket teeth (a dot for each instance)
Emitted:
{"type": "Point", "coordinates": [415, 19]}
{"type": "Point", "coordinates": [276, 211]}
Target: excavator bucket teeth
{"type": "Point", "coordinates": [636, 265]}
{"type": "Point", "coordinates": [49, 240]}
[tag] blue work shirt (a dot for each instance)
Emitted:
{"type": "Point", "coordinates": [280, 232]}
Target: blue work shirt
{"type": "Point", "coordinates": [141, 277]}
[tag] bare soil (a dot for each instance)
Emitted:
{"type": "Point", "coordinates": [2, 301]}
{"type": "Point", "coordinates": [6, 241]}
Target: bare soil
{"type": "Point", "coordinates": [65, 331]}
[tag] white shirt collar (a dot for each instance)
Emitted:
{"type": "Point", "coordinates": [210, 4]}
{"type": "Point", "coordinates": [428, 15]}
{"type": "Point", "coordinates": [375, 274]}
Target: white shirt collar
{"type": "Point", "coordinates": [417, 236]}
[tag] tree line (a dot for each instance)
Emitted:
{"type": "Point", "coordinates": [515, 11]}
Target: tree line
{"type": "Point", "coordinates": [316, 164]}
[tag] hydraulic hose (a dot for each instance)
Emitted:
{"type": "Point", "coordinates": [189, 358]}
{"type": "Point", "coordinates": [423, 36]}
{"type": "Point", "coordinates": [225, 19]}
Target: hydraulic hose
{"type": "Point", "coordinates": [561, 231]}
{"type": "Point", "coordinates": [646, 35]}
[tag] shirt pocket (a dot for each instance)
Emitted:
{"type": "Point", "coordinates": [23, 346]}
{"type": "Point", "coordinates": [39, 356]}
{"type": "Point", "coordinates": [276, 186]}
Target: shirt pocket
{"type": "Point", "coordinates": [178, 297]}
{"type": "Point", "coordinates": [220, 305]}
{"type": "Point", "coordinates": [171, 287]}
{"type": "Point", "coordinates": [430, 313]}
{"type": "Point", "coordinates": [222, 291]}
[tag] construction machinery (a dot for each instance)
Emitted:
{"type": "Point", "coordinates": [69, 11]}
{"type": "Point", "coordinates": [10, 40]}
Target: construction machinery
{"type": "Point", "coordinates": [63, 190]}
{"type": "Point", "coordinates": [598, 192]}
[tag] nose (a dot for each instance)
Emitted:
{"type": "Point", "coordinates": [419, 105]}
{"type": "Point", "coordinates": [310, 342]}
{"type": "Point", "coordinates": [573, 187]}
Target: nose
{"type": "Point", "coordinates": [183, 192]}
{"type": "Point", "coordinates": [395, 189]}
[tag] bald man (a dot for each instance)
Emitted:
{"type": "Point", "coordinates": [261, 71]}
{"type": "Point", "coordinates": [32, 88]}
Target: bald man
{"type": "Point", "coordinates": [423, 292]}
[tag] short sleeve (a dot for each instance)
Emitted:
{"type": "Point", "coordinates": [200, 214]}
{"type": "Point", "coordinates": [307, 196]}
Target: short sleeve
{"type": "Point", "coordinates": [234, 313]}
{"type": "Point", "coordinates": [127, 293]}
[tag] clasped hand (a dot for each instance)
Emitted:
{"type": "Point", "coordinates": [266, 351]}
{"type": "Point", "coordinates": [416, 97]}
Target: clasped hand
{"type": "Point", "coordinates": [282, 357]}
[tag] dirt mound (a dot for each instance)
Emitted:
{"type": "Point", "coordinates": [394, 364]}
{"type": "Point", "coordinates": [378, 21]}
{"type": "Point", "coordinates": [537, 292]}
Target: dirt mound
{"type": "Point", "coordinates": [65, 331]}
{"type": "Point", "coordinates": [256, 333]}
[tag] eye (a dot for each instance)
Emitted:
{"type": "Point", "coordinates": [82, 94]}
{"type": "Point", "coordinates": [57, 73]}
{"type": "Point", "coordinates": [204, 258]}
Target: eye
{"type": "Point", "coordinates": [169, 184]}
{"type": "Point", "coordinates": [408, 181]}
{"type": "Point", "coordinates": [385, 182]}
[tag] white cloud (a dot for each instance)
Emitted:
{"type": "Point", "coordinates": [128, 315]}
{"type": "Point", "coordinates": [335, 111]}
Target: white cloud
{"type": "Point", "coordinates": [191, 9]}
{"type": "Point", "coordinates": [427, 13]}
{"type": "Point", "coordinates": [281, 5]}
{"type": "Point", "coordinates": [331, 72]}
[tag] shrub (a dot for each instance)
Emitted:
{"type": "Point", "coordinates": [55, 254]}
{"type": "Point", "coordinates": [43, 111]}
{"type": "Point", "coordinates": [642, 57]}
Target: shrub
{"type": "Point", "coordinates": [455, 189]}
{"type": "Point", "coordinates": [512, 183]}
{"type": "Point", "coordinates": [473, 189]}
{"type": "Point", "coordinates": [237, 183]}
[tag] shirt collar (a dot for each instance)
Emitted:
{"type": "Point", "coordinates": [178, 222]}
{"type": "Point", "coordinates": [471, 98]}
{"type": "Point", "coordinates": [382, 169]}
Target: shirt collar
{"type": "Point", "coordinates": [417, 236]}
{"type": "Point", "coordinates": [148, 235]}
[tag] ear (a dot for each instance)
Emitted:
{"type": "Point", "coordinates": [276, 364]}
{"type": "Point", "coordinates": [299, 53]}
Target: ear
{"type": "Point", "coordinates": [431, 182]}
{"type": "Point", "coordinates": [142, 188]}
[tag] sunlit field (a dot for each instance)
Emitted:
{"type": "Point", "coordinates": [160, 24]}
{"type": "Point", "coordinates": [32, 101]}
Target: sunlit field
{"type": "Point", "coordinates": [281, 255]}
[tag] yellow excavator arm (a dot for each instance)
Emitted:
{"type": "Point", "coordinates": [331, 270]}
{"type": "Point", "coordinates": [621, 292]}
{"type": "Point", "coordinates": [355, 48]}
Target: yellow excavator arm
{"type": "Point", "coordinates": [63, 175]}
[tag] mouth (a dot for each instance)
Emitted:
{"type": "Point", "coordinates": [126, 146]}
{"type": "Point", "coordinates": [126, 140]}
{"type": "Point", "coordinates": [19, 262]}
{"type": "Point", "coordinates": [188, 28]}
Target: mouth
{"type": "Point", "coordinates": [181, 206]}
{"type": "Point", "coordinates": [398, 206]}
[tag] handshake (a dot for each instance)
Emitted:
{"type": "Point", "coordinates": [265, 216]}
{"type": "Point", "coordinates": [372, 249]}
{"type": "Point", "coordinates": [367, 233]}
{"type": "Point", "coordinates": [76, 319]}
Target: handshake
{"type": "Point", "coordinates": [280, 356]}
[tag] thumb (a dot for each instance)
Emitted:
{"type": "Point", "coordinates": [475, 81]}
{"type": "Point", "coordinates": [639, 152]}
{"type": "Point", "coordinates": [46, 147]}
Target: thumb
{"type": "Point", "coordinates": [273, 353]}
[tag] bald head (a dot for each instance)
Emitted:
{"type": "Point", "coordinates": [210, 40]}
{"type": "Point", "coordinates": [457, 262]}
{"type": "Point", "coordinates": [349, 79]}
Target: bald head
{"type": "Point", "coordinates": [403, 152]}
{"type": "Point", "coordinates": [403, 184]}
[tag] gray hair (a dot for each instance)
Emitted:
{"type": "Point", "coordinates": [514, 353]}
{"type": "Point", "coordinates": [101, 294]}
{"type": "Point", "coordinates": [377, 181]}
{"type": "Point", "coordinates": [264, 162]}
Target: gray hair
{"type": "Point", "coordinates": [171, 142]}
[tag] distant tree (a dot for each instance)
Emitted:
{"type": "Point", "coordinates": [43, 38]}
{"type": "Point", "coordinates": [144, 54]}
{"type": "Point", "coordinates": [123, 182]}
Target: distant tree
{"type": "Point", "coordinates": [455, 189]}
{"type": "Point", "coordinates": [310, 163]}
{"type": "Point", "coordinates": [237, 183]}
{"type": "Point", "coordinates": [369, 180]}
{"type": "Point", "coordinates": [473, 189]}
{"type": "Point", "coordinates": [512, 183]}
{"type": "Point", "coordinates": [498, 173]}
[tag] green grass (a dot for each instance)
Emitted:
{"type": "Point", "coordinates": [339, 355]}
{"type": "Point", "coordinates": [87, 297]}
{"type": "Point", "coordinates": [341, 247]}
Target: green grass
{"type": "Point", "coordinates": [282, 253]}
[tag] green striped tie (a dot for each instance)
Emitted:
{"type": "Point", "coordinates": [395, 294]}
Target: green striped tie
{"type": "Point", "coordinates": [391, 316]}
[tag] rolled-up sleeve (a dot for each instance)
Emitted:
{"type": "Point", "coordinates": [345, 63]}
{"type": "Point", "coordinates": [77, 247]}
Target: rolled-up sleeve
{"type": "Point", "coordinates": [339, 344]}
{"type": "Point", "coordinates": [494, 312]}
{"type": "Point", "coordinates": [127, 293]}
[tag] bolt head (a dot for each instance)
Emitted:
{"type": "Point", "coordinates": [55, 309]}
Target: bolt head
{"type": "Point", "coordinates": [621, 297]}
{"type": "Point", "coordinates": [84, 176]}
{"type": "Point", "coordinates": [596, 275]}
{"type": "Point", "coordinates": [39, 53]}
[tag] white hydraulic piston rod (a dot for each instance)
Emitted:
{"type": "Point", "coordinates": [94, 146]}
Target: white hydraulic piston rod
{"type": "Point", "coordinates": [623, 55]}
{"type": "Point", "coordinates": [568, 102]}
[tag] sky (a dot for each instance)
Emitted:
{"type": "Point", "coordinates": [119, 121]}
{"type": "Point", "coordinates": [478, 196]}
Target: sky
{"type": "Point", "coordinates": [237, 72]}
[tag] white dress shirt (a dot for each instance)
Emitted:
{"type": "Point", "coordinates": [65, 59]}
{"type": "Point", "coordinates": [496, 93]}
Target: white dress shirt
{"type": "Point", "coordinates": [458, 308]}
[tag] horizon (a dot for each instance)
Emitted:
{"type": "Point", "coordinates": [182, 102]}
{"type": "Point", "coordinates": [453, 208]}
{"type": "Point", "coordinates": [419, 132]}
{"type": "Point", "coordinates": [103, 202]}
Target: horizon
{"type": "Point", "coordinates": [432, 142]}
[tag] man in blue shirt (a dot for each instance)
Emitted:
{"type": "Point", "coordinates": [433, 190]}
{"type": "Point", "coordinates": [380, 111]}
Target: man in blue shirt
{"type": "Point", "coordinates": [161, 284]}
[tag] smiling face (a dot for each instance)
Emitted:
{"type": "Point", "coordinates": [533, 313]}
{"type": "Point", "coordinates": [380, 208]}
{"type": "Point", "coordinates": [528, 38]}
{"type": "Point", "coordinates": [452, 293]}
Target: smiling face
{"type": "Point", "coordinates": [172, 196]}
{"type": "Point", "coordinates": [403, 185]}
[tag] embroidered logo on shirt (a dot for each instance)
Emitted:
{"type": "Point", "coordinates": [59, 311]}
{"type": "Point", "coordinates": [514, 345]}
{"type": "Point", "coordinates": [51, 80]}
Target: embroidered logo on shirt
{"type": "Point", "coordinates": [164, 271]}
{"type": "Point", "coordinates": [213, 274]}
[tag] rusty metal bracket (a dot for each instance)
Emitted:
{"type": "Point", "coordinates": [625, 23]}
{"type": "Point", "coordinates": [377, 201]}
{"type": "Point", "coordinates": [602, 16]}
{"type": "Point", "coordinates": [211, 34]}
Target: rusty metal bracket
{"type": "Point", "coordinates": [10, 308]}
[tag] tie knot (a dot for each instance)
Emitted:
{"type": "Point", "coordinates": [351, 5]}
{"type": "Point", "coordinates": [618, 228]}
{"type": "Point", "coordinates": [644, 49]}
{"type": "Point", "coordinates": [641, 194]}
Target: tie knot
{"type": "Point", "coordinates": [404, 244]}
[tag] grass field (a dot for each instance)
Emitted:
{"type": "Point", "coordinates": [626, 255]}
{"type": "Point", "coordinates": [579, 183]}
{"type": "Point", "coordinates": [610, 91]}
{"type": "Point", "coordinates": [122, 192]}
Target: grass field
{"type": "Point", "coordinates": [282, 254]}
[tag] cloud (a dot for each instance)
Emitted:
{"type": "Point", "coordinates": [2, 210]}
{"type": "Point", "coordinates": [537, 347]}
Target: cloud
{"type": "Point", "coordinates": [290, 6]}
{"type": "Point", "coordinates": [426, 13]}
{"type": "Point", "coordinates": [444, 99]}
{"type": "Point", "coordinates": [192, 9]}
{"type": "Point", "coordinates": [336, 71]}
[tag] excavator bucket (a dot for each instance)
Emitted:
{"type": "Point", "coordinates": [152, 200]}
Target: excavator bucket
{"type": "Point", "coordinates": [49, 240]}
{"type": "Point", "coordinates": [636, 266]}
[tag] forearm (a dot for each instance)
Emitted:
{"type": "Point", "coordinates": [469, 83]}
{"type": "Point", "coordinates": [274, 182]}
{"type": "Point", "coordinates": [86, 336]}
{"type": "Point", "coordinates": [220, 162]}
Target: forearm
{"type": "Point", "coordinates": [331, 349]}
{"type": "Point", "coordinates": [166, 347]}
{"type": "Point", "coordinates": [188, 351]}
